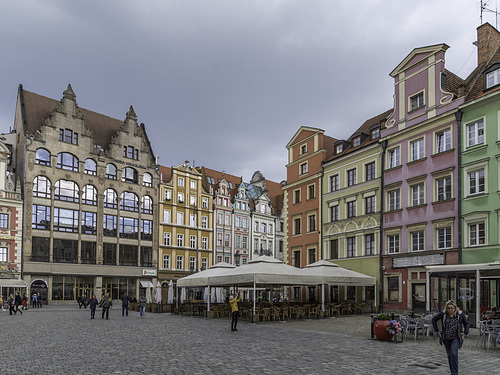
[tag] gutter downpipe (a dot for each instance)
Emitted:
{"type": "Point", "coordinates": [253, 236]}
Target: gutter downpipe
{"type": "Point", "coordinates": [458, 117]}
{"type": "Point", "coordinates": [381, 238]}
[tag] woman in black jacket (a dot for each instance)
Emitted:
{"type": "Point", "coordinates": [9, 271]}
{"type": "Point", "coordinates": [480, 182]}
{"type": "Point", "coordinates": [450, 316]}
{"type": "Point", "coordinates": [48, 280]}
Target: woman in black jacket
{"type": "Point", "coordinates": [454, 328]}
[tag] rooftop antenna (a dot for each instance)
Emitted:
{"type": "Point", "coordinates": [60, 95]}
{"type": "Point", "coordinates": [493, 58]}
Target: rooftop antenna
{"type": "Point", "coordinates": [484, 4]}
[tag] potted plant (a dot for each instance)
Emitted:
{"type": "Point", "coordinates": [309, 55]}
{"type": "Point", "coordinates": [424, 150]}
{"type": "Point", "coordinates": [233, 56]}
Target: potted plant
{"type": "Point", "coordinates": [380, 327]}
{"type": "Point", "coordinates": [396, 327]}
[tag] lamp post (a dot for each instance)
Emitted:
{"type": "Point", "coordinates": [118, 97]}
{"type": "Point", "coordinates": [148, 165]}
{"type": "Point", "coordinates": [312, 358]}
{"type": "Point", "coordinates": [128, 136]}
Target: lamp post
{"type": "Point", "coordinates": [197, 236]}
{"type": "Point", "coordinates": [237, 256]}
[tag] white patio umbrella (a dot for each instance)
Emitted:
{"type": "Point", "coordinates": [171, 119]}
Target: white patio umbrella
{"type": "Point", "coordinates": [183, 295]}
{"type": "Point", "coordinates": [213, 297]}
{"type": "Point", "coordinates": [148, 294]}
{"type": "Point", "coordinates": [206, 295]}
{"type": "Point", "coordinates": [170, 297]}
{"type": "Point", "coordinates": [158, 292]}
{"type": "Point", "coordinates": [331, 273]}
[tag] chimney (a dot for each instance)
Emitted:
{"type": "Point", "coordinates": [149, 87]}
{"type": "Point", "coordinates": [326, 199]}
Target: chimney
{"type": "Point", "coordinates": [488, 42]}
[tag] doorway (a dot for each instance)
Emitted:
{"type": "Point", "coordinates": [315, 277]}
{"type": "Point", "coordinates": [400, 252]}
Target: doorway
{"type": "Point", "coordinates": [418, 298]}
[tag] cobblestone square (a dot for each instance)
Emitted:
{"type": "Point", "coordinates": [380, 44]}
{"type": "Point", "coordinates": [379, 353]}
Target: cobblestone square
{"type": "Point", "coordinates": [64, 340]}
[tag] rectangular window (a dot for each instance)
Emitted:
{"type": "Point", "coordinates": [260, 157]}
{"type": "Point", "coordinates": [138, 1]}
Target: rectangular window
{"type": "Point", "coordinates": [192, 242]}
{"type": "Point", "coordinates": [244, 222]}
{"type": "Point", "coordinates": [166, 262]}
{"type": "Point", "coordinates": [180, 198]}
{"type": "Point", "coordinates": [334, 249]}
{"type": "Point", "coordinates": [296, 259]}
{"type": "Point", "coordinates": [338, 149]}
{"type": "Point", "coordinates": [192, 220]}
{"type": "Point", "coordinates": [129, 227]}
{"type": "Point", "coordinates": [179, 264]}
{"type": "Point", "coordinates": [416, 101]}
{"type": "Point", "coordinates": [296, 226]}
{"type": "Point", "coordinates": [226, 239]}
{"type": "Point", "coordinates": [40, 249]}
{"type": "Point", "coordinates": [237, 221]}
{"type": "Point", "coordinates": [219, 218]}
{"type": "Point", "coordinates": [193, 185]}
{"type": "Point", "coordinates": [227, 220]}
{"type": "Point", "coordinates": [370, 171]}
{"type": "Point", "coordinates": [393, 158]}
{"type": "Point", "coordinates": [477, 234]}
{"type": "Point", "coordinates": [351, 177]}
{"type": "Point", "coordinates": [204, 222]}
{"type": "Point", "coordinates": [89, 225]}
{"type": "Point", "coordinates": [444, 238]}
{"type": "Point", "coordinates": [167, 216]}
{"type": "Point", "coordinates": [3, 255]}
{"type": "Point", "coordinates": [443, 141]}
{"type": "Point", "coordinates": [40, 218]}
{"type": "Point", "coordinates": [296, 196]}
{"type": "Point", "coordinates": [475, 133]}
{"type": "Point", "coordinates": [393, 288]}
{"type": "Point", "coordinates": [370, 244]}
{"type": "Point", "coordinates": [351, 209]}
{"type": "Point", "coordinates": [476, 182]}
{"type": "Point", "coordinates": [192, 200]}
{"type": "Point", "coordinates": [303, 168]}
{"type": "Point", "coordinates": [334, 213]}
{"type": "Point", "coordinates": [312, 223]}
{"type": "Point", "coordinates": [219, 239]}
{"type": "Point", "coordinates": [310, 191]}
{"type": "Point", "coordinates": [417, 240]}
{"type": "Point", "coordinates": [255, 245]}
{"type": "Point", "coordinates": [65, 251]}
{"type": "Point", "coordinates": [167, 239]}
{"type": "Point", "coordinates": [204, 203]}
{"type": "Point", "coordinates": [4, 221]}
{"type": "Point", "coordinates": [192, 263]}
{"type": "Point", "coordinates": [493, 78]}
{"type": "Point", "coordinates": [180, 181]}
{"type": "Point", "coordinates": [65, 220]}
{"type": "Point", "coordinates": [417, 195]}
{"type": "Point", "coordinates": [417, 149]}
{"type": "Point", "coordinates": [356, 142]}
{"type": "Point", "coordinates": [262, 228]}
{"type": "Point", "coordinates": [180, 240]}
{"type": "Point", "coordinates": [443, 188]}
{"type": "Point", "coordinates": [244, 242]}
{"type": "Point", "coordinates": [204, 243]}
{"type": "Point", "coordinates": [204, 263]}
{"type": "Point", "coordinates": [303, 149]}
{"type": "Point", "coordinates": [370, 204]}
{"type": "Point", "coordinates": [237, 241]}
{"type": "Point", "coordinates": [394, 200]}
{"type": "Point", "coordinates": [68, 136]}
{"type": "Point", "coordinates": [351, 247]}
{"type": "Point", "coordinates": [180, 218]}
{"type": "Point", "coordinates": [168, 195]}
{"type": "Point", "coordinates": [334, 183]}
{"type": "Point", "coordinates": [146, 230]}
{"type": "Point", "coordinates": [109, 253]}
{"type": "Point", "coordinates": [109, 225]}
{"type": "Point", "coordinates": [393, 243]}
{"type": "Point", "coordinates": [375, 133]}
{"type": "Point", "coordinates": [146, 256]}
{"type": "Point", "coordinates": [312, 256]}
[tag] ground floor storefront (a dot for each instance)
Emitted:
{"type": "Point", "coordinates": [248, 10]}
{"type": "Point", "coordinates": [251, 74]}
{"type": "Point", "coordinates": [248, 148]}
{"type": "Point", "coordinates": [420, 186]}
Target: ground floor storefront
{"type": "Point", "coordinates": [65, 283]}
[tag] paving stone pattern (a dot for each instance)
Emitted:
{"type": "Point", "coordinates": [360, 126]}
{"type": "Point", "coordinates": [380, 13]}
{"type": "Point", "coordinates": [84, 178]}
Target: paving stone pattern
{"type": "Point", "coordinates": [64, 340]}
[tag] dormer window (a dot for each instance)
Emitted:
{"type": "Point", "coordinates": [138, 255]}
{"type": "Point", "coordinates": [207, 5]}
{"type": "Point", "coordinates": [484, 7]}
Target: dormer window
{"type": "Point", "coordinates": [492, 78]}
{"type": "Point", "coordinates": [338, 149]}
{"type": "Point", "coordinates": [375, 133]}
{"type": "Point", "coordinates": [356, 142]}
{"type": "Point", "coordinates": [303, 149]}
{"type": "Point", "coordinates": [416, 101]}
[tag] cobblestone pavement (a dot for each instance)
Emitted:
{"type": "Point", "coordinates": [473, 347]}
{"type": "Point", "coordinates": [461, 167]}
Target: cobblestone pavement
{"type": "Point", "coordinates": [64, 340]}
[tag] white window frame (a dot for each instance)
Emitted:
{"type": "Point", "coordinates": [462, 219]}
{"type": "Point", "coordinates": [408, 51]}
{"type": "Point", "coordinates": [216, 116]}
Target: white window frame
{"type": "Point", "coordinates": [474, 231]}
{"type": "Point", "coordinates": [417, 240]}
{"type": "Point", "coordinates": [443, 141]}
{"type": "Point", "coordinates": [393, 200]}
{"type": "Point", "coordinates": [180, 240]}
{"type": "Point", "coordinates": [393, 243]}
{"type": "Point", "coordinates": [167, 216]}
{"type": "Point", "coordinates": [303, 168]}
{"type": "Point", "coordinates": [475, 133]}
{"type": "Point", "coordinates": [446, 234]}
{"type": "Point", "coordinates": [193, 184]}
{"type": "Point", "coordinates": [417, 192]}
{"type": "Point", "coordinates": [180, 181]}
{"type": "Point", "coordinates": [167, 239]}
{"type": "Point", "coordinates": [180, 262]}
{"type": "Point", "coordinates": [420, 101]}
{"type": "Point", "coordinates": [393, 158]}
{"type": "Point", "coordinates": [444, 190]}
{"type": "Point", "coordinates": [417, 150]}
{"type": "Point", "coordinates": [166, 261]}
{"type": "Point", "coordinates": [204, 243]}
{"type": "Point", "coordinates": [192, 242]}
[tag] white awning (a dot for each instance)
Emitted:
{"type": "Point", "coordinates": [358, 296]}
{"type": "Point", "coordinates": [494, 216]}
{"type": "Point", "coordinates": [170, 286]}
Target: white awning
{"type": "Point", "coordinates": [146, 284]}
{"type": "Point", "coordinates": [13, 283]}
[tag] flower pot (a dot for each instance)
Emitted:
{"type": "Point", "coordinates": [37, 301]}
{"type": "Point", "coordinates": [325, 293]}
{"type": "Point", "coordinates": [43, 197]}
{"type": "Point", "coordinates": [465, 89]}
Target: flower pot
{"type": "Point", "coordinates": [379, 329]}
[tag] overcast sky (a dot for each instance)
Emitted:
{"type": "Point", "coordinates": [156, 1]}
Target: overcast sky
{"type": "Point", "coordinates": [227, 83]}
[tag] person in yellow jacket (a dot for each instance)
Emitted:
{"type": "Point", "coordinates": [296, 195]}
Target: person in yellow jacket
{"type": "Point", "coordinates": [235, 314]}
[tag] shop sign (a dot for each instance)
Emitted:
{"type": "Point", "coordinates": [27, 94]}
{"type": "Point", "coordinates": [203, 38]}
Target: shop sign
{"type": "Point", "coordinates": [148, 272]}
{"type": "Point", "coordinates": [417, 261]}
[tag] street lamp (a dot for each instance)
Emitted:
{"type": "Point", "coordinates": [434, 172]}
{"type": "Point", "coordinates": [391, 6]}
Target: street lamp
{"type": "Point", "coordinates": [197, 235]}
{"type": "Point", "coordinates": [237, 256]}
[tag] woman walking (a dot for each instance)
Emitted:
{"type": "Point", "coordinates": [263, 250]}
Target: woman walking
{"type": "Point", "coordinates": [454, 329]}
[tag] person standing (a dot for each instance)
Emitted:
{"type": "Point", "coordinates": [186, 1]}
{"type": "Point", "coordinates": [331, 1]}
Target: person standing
{"type": "Point", "coordinates": [142, 306]}
{"type": "Point", "coordinates": [11, 302]}
{"type": "Point", "coordinates": [106, 304]}
{"type": "Point", "coordinates": [39, 300]}
{"type": "Point", "coordinates": [18, 302]}
{"type": "Point", "coordinates": [125, 301]}
{"type": "Point", "coordinates": [1, 303]}
{"type": "Point", "coordinates": [454, 329]}
{"type": "Point", "coordinates": [93, 306]}
{"type": "Point", "coordinates": [235, 313]}
{"type": "Point", "coordinates": [25, 302]}
{"type": "Point", "coordinates": [33, 300]}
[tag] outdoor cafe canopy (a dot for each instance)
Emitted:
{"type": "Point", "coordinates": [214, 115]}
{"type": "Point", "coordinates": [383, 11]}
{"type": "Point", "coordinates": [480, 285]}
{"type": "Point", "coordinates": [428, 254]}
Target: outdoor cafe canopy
{"type": "Point", "coordinates": [203, 278]}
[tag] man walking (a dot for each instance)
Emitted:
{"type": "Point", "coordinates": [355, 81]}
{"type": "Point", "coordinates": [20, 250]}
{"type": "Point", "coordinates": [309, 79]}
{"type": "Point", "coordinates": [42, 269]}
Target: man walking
{"type": "Point", "coordinates": [18, 302]}
{"type": "Point", "coordinates": [106, 305]}
{"type": "Point", "coordinates": [125, 301]}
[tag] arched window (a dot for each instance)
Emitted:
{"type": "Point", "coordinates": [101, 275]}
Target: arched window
{"type": "Point", "coordinates": [41, 187]}
{"type": "Point", "coordinates": [89, 195]}
{"type": "Point", "coordinates": [67, 161]}
{"type": "Point", "coordinates": [130, 175]}
{"type": "Point", "coordinates": [110, 198]}
{"type": "Point", "coordinates": [147, 205]}
{"type": "Point", "coordinates": [147, 179]}
{"type": "Point", "coordinates": [111, 171]}
{"type": "Point", "coordinates": [90, 167]}
{"type": "Point", "coordinates": [66, 191]}
{"type": "Point", "coordinates": [42, 157]}
{"type": "Point", "coordinates": [129, 202]}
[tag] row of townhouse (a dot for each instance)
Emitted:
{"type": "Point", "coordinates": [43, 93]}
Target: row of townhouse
{"type": "Point", "coordinates": [100, 215]}
{"type": "Point", "coordinates": [412, 187]}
